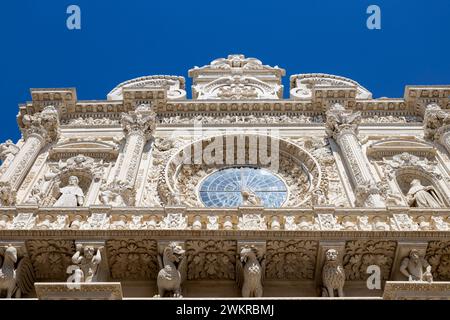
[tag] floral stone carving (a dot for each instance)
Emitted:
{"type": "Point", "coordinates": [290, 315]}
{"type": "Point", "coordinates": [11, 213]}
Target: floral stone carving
{"type": "Point", "coordinates": [132, 259]}
{"type": "Point", "coordinates": [291, 260]}
{"type": "Point", "coordinates": [360, 254]}
{"type": "Point", "coordinates": [50, 258]}
{"type": "Point", "coordinates": [211, 259]}
{"type": "Point", "coordinates": [438, 256]}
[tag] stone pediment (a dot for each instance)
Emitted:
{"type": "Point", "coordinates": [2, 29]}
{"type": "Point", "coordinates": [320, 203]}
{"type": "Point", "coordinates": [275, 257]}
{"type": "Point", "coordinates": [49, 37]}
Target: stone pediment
{"type": "Point", "coordinates": [390, 147]}
{"type": "Point", "coordinates": [94, 149]}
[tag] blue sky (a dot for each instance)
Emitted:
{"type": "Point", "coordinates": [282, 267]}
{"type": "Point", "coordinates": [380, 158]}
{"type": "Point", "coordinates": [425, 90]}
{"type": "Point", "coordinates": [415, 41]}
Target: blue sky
{"type": "Point", "coordinates": [120, 40]}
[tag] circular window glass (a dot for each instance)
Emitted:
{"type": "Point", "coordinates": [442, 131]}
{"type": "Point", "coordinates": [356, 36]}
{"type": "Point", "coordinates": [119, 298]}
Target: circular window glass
{"type": "Point", "coordinates": [233, 187]}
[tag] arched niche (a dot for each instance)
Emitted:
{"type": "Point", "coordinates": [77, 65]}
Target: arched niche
{"type": "Point", "coordinates": [405, 175]}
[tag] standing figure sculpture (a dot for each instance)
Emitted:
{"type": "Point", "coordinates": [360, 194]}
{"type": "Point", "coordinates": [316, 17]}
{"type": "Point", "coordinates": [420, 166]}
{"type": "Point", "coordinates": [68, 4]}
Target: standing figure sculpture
{"type": "Point", "coordinates": [16, 281]}
{"type": "Point", "coordinates": [70, 195]}
{"type": "Point", "coordinates": [250, 272]}
{"type": "Point", "coordinates": [416, 268]}
{"type": "Point", "coordinates": [333, 275]}
{"type": "Point", "coordinates": [423, 197]}
{"type": "Point", "coordinates": [86, 264]}
{"type": "Point", "coordinates": [172, 272]}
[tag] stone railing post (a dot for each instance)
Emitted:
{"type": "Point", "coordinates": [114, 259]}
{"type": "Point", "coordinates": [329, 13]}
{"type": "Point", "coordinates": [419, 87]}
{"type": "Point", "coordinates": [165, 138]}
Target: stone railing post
{"type": "Point", "coordinates": [38, 130]}
{"type": "Point", "coordinates": [342, 126]}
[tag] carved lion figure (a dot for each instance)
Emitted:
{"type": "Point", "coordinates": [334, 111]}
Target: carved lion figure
{"type": "Point", "coordinates": [172, 272]}
{"type": "Point", "coordinates": [250, 272]}
{"type": "Point", "coordinates": [333, 275]}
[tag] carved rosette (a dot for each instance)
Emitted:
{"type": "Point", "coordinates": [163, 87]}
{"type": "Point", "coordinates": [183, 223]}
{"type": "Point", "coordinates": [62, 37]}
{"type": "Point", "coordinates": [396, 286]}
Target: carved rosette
{"type": "Point", "coordinates": [291, 260]}
{"type": "Point", "coordinates": [211, 259]}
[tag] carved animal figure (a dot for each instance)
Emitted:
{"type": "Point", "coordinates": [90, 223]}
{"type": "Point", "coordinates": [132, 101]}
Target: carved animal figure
{"type": "Point", "coordinates": [172, 270]}
{"type": "Point", "coordinates": [333, 275]}
{"type": "Point", "coordinates": [16, 281]}
{"type": "Point", "coordinates": [250, 272]}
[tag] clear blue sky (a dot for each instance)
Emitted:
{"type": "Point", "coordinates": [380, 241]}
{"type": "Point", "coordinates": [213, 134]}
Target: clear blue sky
{"type": "Point", "coordinates": [120, 40]}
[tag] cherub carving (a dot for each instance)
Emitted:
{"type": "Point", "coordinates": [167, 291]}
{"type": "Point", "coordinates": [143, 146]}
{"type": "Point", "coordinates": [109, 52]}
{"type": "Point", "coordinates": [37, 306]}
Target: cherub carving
{"type": "Point", "coordinates": [172, 271]}
{"type": "Point", "coordinates": [250, 271]}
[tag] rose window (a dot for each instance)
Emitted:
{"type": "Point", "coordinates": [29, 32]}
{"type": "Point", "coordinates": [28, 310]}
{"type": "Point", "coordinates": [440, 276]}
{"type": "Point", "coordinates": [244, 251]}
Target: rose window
{"type": "Point", "coordinates": [233, 187]}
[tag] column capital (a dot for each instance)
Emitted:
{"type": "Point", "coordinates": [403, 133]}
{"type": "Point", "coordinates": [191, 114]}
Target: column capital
{"type": "Point", "coordinates": [436, 121]}
{"type": "Point", "coordinates": [340, 121]}
{"type": "Point", "coordinates": [44, 124]}
{"type": "Point", "coordinates": [141, 121]}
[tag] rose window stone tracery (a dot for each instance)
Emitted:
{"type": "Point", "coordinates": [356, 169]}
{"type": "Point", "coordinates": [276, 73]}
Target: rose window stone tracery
{"type": "Point", "coordinates": [232, 187]}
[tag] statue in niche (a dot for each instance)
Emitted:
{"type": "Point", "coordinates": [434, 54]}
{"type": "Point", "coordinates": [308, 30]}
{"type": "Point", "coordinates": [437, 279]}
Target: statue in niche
{"type": "Point", "coordinates": [70, 195]}
{"type": "Point", "coordinates": [423, 197]}
{"type": "Point", "coordinates": [249, 198]}
{"type": "Point", "coordinates": [416, 268]}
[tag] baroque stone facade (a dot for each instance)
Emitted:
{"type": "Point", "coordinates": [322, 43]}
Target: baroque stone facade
{"type": "Point", "coordinates": [235, 192]}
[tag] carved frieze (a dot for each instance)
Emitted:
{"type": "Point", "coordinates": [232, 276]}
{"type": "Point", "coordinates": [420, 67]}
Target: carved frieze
{"type": "Point", "coordinates": [360, 254]}
{"type": "Point", "coordinates": [438, 256]}
{"type": "Point", "coordinates": [211, 259]}
{"type": "Point", "coordinates": [132, 259]}
{"type": "Point", "coordinates": [50, 258]}
{"type": "Point", "coordinates": [291, 259]}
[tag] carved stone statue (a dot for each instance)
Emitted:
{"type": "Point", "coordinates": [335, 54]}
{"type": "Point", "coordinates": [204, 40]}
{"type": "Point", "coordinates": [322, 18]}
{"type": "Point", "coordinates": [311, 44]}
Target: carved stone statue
{"type": "Point", "coordinates": [172, 272]}
{"type": "Point", "coordinates": [249, 198]}
{"type": "Point", "coordinates": [423, 197]}
{"type": "Point", "coordinates": [250, 272]}
{"type": "Point", "coordinates": [416, 268]}
{"type": "Point", "coordinates": [71, 195]}
{"type": "Point", "coordinates": [7, 148]}
{"type": "Point", "coordinates": [85, 264]}
{"type": "Point", "coordinates": [16, 280]}
{"type": "Point", "coordinates": [333, 275]}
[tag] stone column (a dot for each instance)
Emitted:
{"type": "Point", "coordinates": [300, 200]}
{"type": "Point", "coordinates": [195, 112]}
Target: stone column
{"type": "Point", "coordinates": [38, 130]}
{"type": "Point", "coordinates": [138, 126]}
{"type": "Point", "coordinates": [342, 126]}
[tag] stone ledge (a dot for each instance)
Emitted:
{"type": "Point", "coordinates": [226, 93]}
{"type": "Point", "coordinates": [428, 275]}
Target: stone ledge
{"type": "Point", "coordinates": [78, 291]}
{"type": "Point", "coordinates": [409, 290]}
